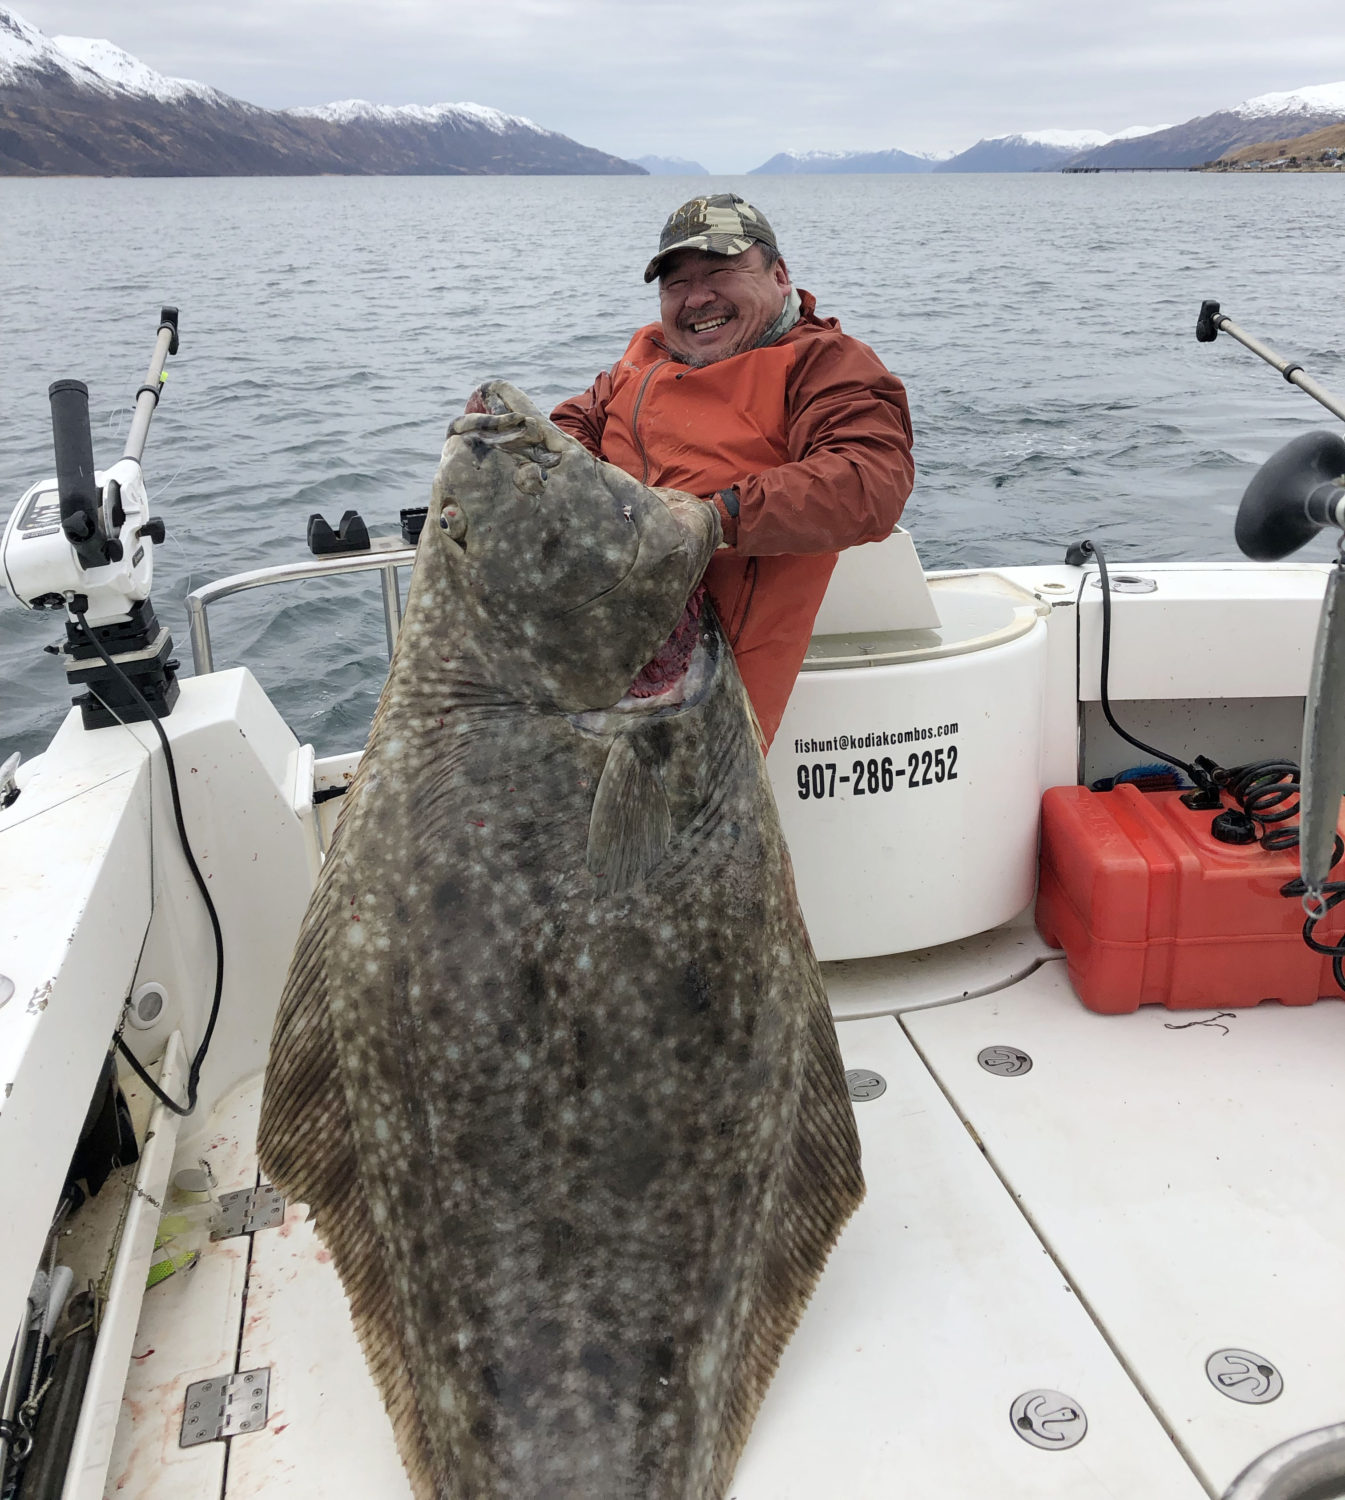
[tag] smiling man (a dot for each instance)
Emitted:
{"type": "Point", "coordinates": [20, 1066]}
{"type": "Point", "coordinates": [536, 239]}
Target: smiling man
{"type": "Point", "coordinates": [742, 395]}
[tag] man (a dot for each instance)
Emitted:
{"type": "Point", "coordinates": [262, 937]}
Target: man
{"type": "Point", "coordinates": [742, 395]}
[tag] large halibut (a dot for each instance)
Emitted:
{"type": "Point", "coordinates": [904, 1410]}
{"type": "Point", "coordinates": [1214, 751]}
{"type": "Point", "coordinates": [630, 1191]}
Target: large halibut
{"type": "Point", "coordinates": [554, 1068]}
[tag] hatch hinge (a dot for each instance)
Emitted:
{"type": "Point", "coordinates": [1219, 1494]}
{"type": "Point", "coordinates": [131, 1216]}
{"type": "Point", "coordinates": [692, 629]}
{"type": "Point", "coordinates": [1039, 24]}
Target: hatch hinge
{"type": "Point", "coordinates": [247, 1211]}
{"type": "Point", "coordinates": [225, 1406]}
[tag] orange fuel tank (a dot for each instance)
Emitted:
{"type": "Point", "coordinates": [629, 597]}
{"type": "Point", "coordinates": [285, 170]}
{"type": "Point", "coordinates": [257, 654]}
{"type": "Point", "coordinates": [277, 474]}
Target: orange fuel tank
{"type": "Point", "coordinates": [1152, 909]}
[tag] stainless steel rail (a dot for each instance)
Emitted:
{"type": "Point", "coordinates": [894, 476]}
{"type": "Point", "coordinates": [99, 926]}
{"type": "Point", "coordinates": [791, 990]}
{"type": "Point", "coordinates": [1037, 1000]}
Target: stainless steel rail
{"type": "Point", "coordinates": [384, 560]}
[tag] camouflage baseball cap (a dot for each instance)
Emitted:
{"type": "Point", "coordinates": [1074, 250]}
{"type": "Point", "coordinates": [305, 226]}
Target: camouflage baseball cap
{"type": "Point", "coordinates": [722, 223]}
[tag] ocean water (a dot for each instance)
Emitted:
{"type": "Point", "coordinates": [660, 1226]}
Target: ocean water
{"type": "Point", "coordinates": [332, 327]}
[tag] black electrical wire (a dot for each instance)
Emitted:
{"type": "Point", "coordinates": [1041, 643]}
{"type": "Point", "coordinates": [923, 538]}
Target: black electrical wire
{"type": "Point", "coordinates": [1199, 775]}
{"type": "Point", "coordinates": [194, 1071]}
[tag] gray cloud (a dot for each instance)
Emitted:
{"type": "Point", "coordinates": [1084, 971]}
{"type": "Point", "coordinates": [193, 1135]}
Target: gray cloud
{"type": "Point", "coordinates": [730, 84]}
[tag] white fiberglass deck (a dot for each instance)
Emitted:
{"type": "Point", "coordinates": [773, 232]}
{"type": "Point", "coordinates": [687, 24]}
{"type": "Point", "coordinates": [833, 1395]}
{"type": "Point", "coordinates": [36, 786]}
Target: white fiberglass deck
{"type": "Point", "coordinates": [1098, 1226]}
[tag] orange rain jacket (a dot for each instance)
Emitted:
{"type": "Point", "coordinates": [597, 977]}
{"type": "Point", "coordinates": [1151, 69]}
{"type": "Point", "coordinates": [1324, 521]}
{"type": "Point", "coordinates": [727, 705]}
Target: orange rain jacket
{"type": "Point", "coordinates": [814, 434]}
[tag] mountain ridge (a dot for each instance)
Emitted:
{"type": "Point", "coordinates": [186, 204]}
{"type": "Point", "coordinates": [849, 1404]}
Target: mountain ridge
{"type": "Point", "coordinates": [670, 166]}
{"type": "Point", "coordinates": [788, 163]}
{"type": "Point", "coordinates": [81, 106]}
{"type": "Point", "coordinates": [1284, 114]}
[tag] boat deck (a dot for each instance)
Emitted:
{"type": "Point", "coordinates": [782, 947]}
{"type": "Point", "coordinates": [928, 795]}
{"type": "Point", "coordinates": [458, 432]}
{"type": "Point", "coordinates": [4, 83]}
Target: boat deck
{"type": "Point", "coordinates": [1154, 1189]}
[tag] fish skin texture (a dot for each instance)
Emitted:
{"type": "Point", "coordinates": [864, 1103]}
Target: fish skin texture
{"type": "Point", "coordinates": [577, 1138]}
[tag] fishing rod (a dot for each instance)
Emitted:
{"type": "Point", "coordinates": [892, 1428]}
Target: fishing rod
{"type": "Point", "coordinates": [1211, 323]}
{"type": "Point", "coordinates": [1297, 492]}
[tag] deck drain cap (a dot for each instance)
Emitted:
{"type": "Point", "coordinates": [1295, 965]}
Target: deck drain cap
{"type": "Point", "coordinates": [1048, 1419]}
{"type": "Point", "coordinates": [864, 1083]}
{"type": "Point", "coordinates": [1244, 1376]}
{"type": "Point", "coordinates": [1008, 1062]}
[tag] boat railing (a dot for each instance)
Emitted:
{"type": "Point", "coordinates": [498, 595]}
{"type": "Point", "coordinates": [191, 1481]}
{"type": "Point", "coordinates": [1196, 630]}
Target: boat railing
{"type": "Point", "coordinates": [385, 560]}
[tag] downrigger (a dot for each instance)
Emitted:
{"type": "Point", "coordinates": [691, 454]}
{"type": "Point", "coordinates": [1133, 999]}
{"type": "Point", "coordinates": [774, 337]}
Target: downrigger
{"type": "Point", "coordinates": [83, 542]}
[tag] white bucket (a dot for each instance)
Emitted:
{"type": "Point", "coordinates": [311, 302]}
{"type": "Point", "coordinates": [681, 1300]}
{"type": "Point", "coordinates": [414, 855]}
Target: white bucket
{"type": "Point", "coordinates": [907, 772]}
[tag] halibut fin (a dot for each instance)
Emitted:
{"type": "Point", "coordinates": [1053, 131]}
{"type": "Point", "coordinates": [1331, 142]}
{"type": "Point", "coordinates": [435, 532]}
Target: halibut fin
{"type": "Point", "coordinates": [631, 824]}
{"type": "Point", "coordinates": [306, 1144]}
{"type": "Point", "coordinates": [821, 1188]}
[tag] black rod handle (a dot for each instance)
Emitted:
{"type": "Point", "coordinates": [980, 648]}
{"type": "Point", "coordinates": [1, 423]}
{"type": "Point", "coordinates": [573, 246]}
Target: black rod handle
{"type": "Point", "coordinates": [75, 480]}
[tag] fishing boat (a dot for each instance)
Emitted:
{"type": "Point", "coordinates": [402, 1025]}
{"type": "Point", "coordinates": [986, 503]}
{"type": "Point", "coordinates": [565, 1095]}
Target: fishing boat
{"type": "Point", "coordinates": [1101, 1251]}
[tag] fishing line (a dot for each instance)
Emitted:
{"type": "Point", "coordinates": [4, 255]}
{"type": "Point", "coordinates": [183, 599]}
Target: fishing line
{"type": "Point", "coordinates": [167, 484]}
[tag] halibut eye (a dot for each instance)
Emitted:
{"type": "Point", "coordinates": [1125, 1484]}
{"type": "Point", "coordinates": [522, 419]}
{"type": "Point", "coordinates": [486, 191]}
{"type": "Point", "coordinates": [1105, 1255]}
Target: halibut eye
{"type": "Point", "coordinates": [452, 520]}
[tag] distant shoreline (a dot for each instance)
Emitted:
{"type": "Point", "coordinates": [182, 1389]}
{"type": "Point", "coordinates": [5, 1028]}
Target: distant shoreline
{"type": "Point", "coordinates": [1239, 170]}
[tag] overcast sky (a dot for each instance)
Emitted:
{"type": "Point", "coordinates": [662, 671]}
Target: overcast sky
{"type": "Point", "coordinates": [731, 82]}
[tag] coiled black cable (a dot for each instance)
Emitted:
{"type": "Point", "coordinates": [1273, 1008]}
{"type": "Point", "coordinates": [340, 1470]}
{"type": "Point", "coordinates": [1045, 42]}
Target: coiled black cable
{"type": "Point", "coordinates": [1268, 792]}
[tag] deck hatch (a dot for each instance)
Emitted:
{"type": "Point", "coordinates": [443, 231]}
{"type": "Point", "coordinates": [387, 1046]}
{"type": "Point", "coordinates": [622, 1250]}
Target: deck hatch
{"type": "Point", "coordinates": [247, 1211]}
{"type": "Point", "coordinates": [225, 1406]}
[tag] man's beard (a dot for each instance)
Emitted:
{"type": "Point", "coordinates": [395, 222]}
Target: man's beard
{"type": "Point", "coordinates": [697, 361]}
{"type": "Point", "coordinates": [784, 320]}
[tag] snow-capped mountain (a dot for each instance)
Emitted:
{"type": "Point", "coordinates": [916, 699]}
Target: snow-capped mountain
{"type": "Point", "coordinates": [83, 105]}
{"type": "Point", "coordinates": [128, 75]}
{"type": "Point", "coordinates": [28, 56]}
{"type": "Point", "coordinates": [790, 162]}
{"type": "Point", "coordinates": [1034, 150]}
{"type": "Point", "coordinates": [1321, 98]}
{"type": "Point", "coordinates": [1277, 116]}
{"type": "Point", "coordinates": [360, 111]}
{"type": "Point", "coordinates": [1021, 152]}
{"type": "Point", "coordinates": [451, 138]}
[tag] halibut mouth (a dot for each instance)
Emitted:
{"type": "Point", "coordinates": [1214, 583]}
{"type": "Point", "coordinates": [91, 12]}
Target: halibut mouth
{"type": "Point", "coordinates": [668, 669]}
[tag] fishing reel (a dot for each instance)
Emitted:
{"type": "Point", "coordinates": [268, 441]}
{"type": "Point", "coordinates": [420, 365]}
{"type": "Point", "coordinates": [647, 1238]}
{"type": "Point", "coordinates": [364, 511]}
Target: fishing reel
{"type": "Point", "coordinates": [83, 542]}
